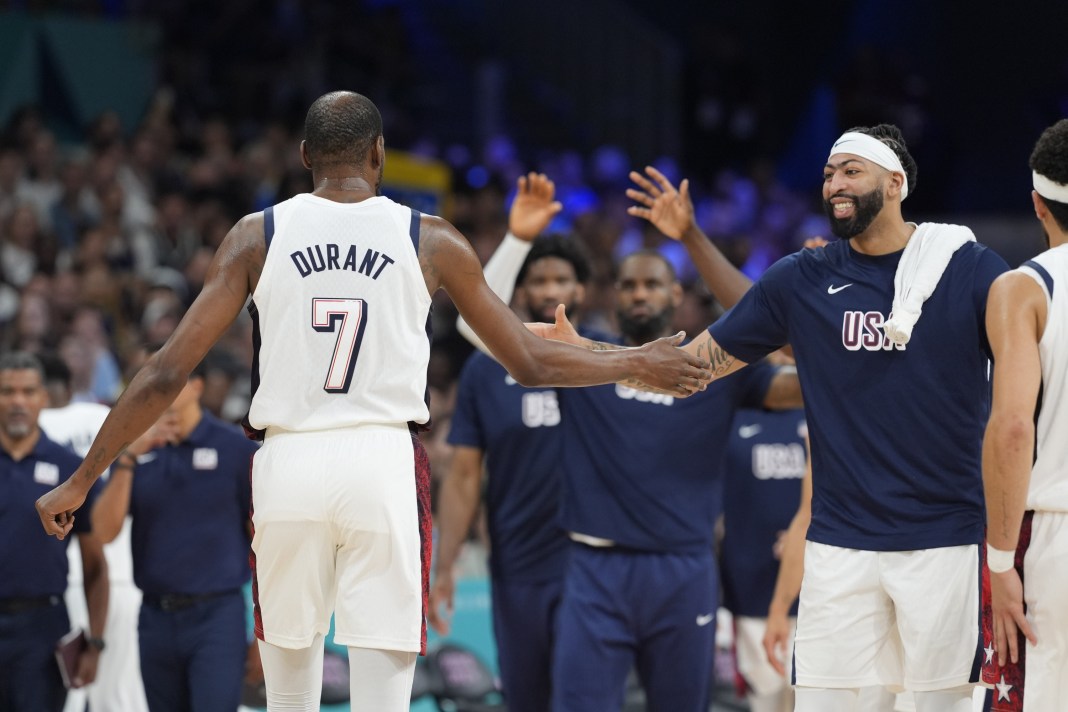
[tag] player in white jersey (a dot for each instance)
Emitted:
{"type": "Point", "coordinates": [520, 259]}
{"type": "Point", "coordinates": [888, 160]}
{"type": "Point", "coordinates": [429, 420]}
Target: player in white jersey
{"type": "Point", "coordinates": [1025, 459]}
{"type": "Point", "coordinates": [342, 280]}
{"type": "Point", "coordinates": [118, 683]}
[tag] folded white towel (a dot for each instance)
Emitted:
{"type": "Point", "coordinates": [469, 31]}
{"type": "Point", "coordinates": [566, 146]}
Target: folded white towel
{"type": "Point", "coordinates": [926, 257]}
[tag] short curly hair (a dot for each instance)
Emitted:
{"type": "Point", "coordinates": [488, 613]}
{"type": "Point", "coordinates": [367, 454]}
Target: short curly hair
{"type": "Point", "coordinates": [564, 247]}
{"type": "Point", "coordinates": [891, 135]}
{"type": "Point", "coordinates": [1050, 159]}
{"type": "Point", "coordinates": [341, 127]}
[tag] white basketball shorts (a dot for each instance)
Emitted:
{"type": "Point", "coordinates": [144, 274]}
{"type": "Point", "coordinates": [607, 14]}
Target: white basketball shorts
{"type": "Point", "coordinates": [337, 529]}
{"type": "Point", "coordinates": [902, 619]}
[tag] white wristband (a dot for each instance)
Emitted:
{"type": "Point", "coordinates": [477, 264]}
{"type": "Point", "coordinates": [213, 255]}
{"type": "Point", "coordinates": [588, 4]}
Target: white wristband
{"type": "Point", "coordinates": [999, 560]}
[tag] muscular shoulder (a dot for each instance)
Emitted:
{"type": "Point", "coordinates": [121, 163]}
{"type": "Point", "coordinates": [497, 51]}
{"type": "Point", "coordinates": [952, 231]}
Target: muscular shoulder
{"type": "Point", "coordinates": [443, 250]}
{"type": "Point", "coordinates": [244, 247]}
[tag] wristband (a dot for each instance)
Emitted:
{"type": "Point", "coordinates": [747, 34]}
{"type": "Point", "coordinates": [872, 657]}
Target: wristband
{"type": "Point", "coordinates": [999, 560]}
{"type": "Point", "coordinates": [97, 643]}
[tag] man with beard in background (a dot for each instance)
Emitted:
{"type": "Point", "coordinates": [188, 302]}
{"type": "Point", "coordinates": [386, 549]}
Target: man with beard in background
{"type": "Point", "coordinates": [641, 493]}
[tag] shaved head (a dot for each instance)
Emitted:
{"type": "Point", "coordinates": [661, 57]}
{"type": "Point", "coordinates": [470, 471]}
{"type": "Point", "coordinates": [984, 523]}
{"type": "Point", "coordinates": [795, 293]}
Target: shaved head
{"type": "Point", "coordinates": [341, 128]}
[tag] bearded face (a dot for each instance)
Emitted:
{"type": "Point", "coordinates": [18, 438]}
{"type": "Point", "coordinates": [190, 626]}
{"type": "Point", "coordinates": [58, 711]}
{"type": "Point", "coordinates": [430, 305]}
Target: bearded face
{"type": "Point", "coordinates": [851, 215]}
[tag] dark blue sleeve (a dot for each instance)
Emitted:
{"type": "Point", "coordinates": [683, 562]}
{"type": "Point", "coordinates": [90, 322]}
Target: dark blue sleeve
{"type": "Point", "coordinates": [757, 325]}
{"type": "Point", "coordinates": [465, 428]}
{"type": "Point", "coordinates": [988, 267]}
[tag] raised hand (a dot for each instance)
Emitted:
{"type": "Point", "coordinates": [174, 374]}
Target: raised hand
{"type": "Point", "coordinates": [670, 210]}
{"type": "Point", "coordinates": [533, 208]}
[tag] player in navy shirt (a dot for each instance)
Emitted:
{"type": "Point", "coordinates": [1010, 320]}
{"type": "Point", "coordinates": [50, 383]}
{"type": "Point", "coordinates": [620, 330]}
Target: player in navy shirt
{"type": "Point", "coordinates": [514, 433]}
{"type": "Point", "coordinates": [897, 509]}
{"type": "Point", "coordinates": [189, 494]}
{"type": "Point", "coordinates": [642, 491]}
{"type": "Point", "coordinates": [33, 616]}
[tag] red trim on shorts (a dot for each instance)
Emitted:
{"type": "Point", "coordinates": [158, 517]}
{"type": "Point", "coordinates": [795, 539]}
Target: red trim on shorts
{"type": "Point", "coordinates": [1010, 676]}
{"type": "Point", "coordinates": [256, 613]}
{"type": "Point", "coordinates": [426, 527]}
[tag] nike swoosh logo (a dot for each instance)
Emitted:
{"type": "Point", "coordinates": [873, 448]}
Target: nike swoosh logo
{"type": "Point", "coordinates": [835, 290]}
{"type": "Point", "coordinates": [705, 619]}
{"type": "Point", "coordinates": [748, 431]}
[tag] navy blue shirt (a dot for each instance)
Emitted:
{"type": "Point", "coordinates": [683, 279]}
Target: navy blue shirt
{"type": "Point", "coordinates": [644, 470]}
{"type": "Point", "coordinates": [896, 432]}
{"type": "Point", "coordinates": [190, 505]}
{"type": "Point", "coordinates": [518, 429]}
{"type": "Point", "coordinates": [761, 491]}
{"type": "Point", "coordinates": [31, 562]}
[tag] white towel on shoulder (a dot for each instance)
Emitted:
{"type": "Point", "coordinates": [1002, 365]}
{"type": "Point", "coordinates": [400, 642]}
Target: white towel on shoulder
{"type": "Point", "coordinates": [926, 257]}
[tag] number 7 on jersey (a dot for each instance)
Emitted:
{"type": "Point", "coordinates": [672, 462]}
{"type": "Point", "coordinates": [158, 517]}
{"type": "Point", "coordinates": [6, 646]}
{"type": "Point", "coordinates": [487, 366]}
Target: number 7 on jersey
{"type": "Point", "coordinates": [348, 317]}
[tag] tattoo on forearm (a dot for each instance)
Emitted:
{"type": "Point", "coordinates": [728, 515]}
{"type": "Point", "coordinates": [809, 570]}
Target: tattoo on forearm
{"type": "Point", "coordinates": [721, 360]}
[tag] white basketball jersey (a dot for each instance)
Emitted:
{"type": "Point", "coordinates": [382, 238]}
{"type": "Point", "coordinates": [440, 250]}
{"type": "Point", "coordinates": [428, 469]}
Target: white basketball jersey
{"type": "Point", "coordinates": [341, 317]}
{"type": "Point", "coordinates": [1049, 477]}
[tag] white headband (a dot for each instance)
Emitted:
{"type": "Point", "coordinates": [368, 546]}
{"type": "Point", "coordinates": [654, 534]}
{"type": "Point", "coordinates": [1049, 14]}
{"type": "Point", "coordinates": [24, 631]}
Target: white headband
{"type": "Point", "coordinates": [1049, 189]}
{"type": "Point", "coordinates": [874, 150]}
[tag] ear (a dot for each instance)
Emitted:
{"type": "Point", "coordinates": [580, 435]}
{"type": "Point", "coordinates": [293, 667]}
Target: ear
{"type": "Point", "coordinates": [378, 153]}
{"type": "Point", "coordinates": [304, 155]}
{"type": "Point", "coordinates": [1041, 211]}
{"type": "Point", "coordinates": [895, 184]}
{"type": "Point", "coordinates": [676, 294]}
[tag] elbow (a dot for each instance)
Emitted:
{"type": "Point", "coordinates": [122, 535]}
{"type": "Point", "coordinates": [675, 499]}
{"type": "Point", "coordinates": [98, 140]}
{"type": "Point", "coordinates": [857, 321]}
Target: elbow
{"type": "Point", "coordinates": [528, 375]}
{"type": "Point", "coordinates": [105, 531]}
{"type": "Point", "coordinates": [530, 370]}
{"type": "Point", "coordinates": [1011, 431]}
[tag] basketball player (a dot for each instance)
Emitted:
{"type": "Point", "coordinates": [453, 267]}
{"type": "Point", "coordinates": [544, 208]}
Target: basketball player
{"type": "Point", "coordinates": [641, 492]}
{"type": "Point", "coordinates": [340, 486]}
{"type": "Point", "coordinates": [1026, 321]}
{"type": "Point", "coordinates": [896, 429]}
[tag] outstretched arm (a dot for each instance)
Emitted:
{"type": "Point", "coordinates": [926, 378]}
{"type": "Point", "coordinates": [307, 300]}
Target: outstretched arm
{"type": "Point", "coordinates": [449, 261]}
{"type": "Point", "coordinates": [532, 211]}
{"type": "Point", "coordinates": [671, 212]}
{"type": "Point", "coordinates": [1015, 320]}
{"type": "Point", "coordinates": [231, 278]}
{"type": "Point", "coordinates": [788, 581]}
{"type": "Point", "coordinates": [703, 347]}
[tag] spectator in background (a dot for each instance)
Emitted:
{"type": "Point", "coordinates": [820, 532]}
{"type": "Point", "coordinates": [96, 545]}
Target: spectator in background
{"type": "Point", "coordinates": [33, 616]}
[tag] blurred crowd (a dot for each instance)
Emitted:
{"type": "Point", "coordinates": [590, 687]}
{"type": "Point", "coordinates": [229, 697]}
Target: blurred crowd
{"type": "Point", "coordinates": [106, 242]}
